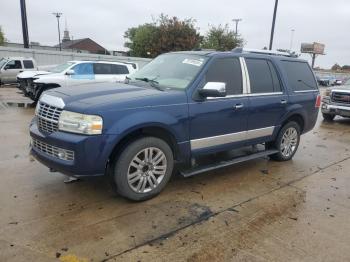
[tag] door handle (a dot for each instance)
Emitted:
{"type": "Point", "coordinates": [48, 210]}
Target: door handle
{"type": "Point", "coordinates": [283, 101]}
{"type": "Point", "coordinates": [238, 106]}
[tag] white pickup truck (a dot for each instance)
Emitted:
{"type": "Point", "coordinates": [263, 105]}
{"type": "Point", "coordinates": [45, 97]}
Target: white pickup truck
{"type": "Point", "coordinates": [10, 67]}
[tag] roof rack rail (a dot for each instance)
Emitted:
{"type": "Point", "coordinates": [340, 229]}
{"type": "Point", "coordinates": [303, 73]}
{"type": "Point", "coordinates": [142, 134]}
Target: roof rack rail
{"type": "Point", "coordinates": [258, 51]}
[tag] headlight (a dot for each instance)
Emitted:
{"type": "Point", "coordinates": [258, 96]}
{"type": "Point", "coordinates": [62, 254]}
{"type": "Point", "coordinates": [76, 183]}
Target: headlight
{"type": "Point", "coordinates": [327, 92]}
{"type": "Point", "coordinates": [80, 123]}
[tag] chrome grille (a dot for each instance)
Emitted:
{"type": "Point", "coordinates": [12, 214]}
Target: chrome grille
{"type": "Point", "coordinates": [341, 97]}
{"type": "Point", "coordinates": [48, 117]}
{"type": "Point", "coordinates": [53, 150]}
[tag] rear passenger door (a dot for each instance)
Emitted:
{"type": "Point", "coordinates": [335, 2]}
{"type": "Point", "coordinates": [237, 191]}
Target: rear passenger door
{"type": "Point", "coordinates": [105, 72]}
{"type": "Point", "coordinates": [267, 98]}
{"type": "Point", "coordinates": [218, 124]}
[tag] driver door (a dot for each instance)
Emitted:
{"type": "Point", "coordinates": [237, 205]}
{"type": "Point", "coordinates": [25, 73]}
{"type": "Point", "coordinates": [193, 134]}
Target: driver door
{"type": "Point", "coordinates": [11, 70]}
{"type": "Point", "coordinates": [219, 124]}
{"type": "Point", "coordinates": [83, 74]}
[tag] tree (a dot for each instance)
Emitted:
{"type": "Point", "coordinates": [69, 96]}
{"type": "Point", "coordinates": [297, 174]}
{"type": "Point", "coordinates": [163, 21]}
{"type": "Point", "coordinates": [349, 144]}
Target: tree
{"type": "Point", "coordinates": [164, 35]}
{"type": "Point", "coordinates": [221, 38]}
{"type": "Point", "coordinates": [2, 37]}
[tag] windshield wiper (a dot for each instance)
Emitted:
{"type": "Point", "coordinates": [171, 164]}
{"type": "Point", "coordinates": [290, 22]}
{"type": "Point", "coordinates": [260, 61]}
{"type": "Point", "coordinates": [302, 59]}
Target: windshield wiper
{"type": "Point", "coordinates": [152, 82]}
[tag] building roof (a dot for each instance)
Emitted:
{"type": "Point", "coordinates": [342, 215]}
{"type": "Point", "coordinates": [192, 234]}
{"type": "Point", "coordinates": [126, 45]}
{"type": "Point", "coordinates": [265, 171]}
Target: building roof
{"type": "Point", "coordinates": [82, 44]}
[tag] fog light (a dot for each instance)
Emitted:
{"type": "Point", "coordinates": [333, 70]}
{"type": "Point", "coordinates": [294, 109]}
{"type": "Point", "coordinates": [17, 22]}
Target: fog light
{"type": "Point", "coordinates": [62, 155]}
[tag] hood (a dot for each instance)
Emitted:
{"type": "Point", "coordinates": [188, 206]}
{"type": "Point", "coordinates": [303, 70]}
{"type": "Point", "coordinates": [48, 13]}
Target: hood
{"type": "Point", "coordinates": [31, 74]}
{"type": "Point", "coordinates": [99, 97]}
{"type": "Point", "coordinates": [341, 88]}
{"type": "Point", "coordinates": [47, 77]}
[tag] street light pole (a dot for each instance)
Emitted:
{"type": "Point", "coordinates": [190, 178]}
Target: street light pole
{"type": "Point", "coordinates": [24, 24]}
{"type": "Point", "coordinates": [237, 20]}
{"type": "Point", "coordinates": [273, 24]}
{"type": "Point", "coordinates": [291, 39]}
{"type": "Point", "coordinates": [58, 15]}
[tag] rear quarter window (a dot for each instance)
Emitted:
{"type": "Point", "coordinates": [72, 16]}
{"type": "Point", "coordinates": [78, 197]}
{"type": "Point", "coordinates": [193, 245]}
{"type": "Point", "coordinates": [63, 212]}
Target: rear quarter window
{"type": "Point", "coordinates": [300, 76]}
{"type": "Point", "coordinates": [28, 64]}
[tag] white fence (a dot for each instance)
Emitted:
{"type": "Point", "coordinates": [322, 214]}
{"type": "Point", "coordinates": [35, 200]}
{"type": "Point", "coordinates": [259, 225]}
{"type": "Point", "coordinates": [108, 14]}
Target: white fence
{"type": "Point", "coordinates": [44, 57]}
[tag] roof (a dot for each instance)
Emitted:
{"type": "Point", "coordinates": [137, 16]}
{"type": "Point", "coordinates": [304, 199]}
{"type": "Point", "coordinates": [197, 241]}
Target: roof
{"type": "Point", "coordinates": [72, 43]}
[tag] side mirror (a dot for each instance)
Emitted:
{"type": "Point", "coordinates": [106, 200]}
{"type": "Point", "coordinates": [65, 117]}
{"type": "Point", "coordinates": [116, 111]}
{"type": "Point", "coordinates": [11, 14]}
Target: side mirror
{"type": "Point", "coordinates": [213, 89]}
{"type": "Point", "coordinates": [70, 72]}
{"type": "Point", "coordinates": [6, 67]}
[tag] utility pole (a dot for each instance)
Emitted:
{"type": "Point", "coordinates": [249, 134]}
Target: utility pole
{"type": "Point", "coordinates": [291, 39]}
{"type": "Point", "coordinates": [58, 15]}
{"type": "Point", "coordinates": [273, 24]}
{"type": "Point", "coordinates": [236, 20]}
{"type": "Point", "coordinates": [24, 24]}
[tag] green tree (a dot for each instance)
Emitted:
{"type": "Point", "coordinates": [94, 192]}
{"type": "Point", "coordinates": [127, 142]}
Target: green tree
{"type": "Point", "coordinates": [2, 36]}
{"type": "Point", "coordinates": [163, 35]}
{"type": "Point", "coordinates": [221, 38]}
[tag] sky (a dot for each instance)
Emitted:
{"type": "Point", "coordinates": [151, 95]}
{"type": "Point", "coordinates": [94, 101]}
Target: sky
{"type": "Point", "coordinates": [105, 21]}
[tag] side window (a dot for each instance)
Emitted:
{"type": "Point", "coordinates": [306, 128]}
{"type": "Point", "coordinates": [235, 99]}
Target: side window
{"type": "Point", "coordinates": [103, 69]}
{"type": "Point", "coordinates": [300, 76]}
{"type": "Point", "coordinates": [120, 70]}
{"type": "Point", "coordinates": [28, 64]}
{"type": "Point", "coordinates": [83, 69]}
{"type": "Point", "coordinates": [260, 76]}
{"type": "Point", "coordinates": [275, 79]}
{"type": "Point", "coordinates": [14, 64]}
{"type": "Point", "coordinates": [227, 70]}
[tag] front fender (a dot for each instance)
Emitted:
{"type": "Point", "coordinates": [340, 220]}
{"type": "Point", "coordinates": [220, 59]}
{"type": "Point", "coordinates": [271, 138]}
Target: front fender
{"type": "Point", "coordinates": [175, 123]}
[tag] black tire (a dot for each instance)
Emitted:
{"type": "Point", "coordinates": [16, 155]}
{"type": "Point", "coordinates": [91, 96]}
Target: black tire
{"type": "Point", "coordinates": [277, 144]}
{"type": "Point", "coordinates": [123, 164]}
{"type": "Point", "coordinates": [328, 117]}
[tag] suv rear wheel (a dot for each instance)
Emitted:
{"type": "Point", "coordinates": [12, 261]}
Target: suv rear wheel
{"type": "Point", "coordinates": [287, 142]}
{"type": "Point", "coordinates": [143, 168]}
{"type": "Point", "coordinates": [328, 117]}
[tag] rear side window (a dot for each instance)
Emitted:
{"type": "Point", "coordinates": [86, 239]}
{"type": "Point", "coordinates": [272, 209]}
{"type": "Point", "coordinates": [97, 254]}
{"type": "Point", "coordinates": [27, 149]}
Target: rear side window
{"type": "Point", "coordinates": [119, 70]}
{"type": "Point", "coordinates": [103, 69]}
{"type": "Point", "coordinates": [28, 64]}
{"type": "Point", "coordinates": [263, 76]}
{"type": "Point", "coordinates": [227, 70]}
{"type": "Point", "coordinates": [300, 76]}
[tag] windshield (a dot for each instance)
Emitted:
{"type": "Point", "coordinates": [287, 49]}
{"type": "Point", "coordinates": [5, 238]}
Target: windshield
{"type": "Point", "coordinates": [61, 68]}
{"type": "Point", "coordinates": [171, 70]}
{"type": "Point", "coordinates": [2, 62]}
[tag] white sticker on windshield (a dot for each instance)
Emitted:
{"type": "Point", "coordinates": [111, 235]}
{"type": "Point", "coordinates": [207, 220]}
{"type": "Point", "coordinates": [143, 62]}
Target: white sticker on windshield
{"type": "Point", "coordinates": [194, 62]}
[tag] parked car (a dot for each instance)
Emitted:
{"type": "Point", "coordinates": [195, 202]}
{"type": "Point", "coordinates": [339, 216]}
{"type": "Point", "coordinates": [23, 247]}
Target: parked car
{"type": "Point", "coordinates": [336, 101]}
{"type": "Point", "coordinates": [75, 73]}
{"type": "Point", "coordinates": [10, 67]}
{"type": "Point", "coordinates": [25, 79]}
{"type": "Point", "coordinates": [175, 110]}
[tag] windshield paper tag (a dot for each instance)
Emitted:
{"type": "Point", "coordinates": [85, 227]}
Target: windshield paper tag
{"type": "Point", "coordinates": [192, 62]}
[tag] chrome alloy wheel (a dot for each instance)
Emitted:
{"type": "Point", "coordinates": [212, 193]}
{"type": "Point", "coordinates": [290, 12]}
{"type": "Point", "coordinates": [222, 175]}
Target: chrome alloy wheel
{"type": "Point", "coordinates": [147, 170]}
{"type": "Point", "coordinates": [289, 142]}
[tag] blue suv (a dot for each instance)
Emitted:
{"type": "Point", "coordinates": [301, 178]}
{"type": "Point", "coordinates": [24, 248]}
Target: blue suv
{"type": "Point", "coordinates": [176, 113]}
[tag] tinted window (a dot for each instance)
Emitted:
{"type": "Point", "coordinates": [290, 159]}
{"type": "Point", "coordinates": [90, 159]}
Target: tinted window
{"type": "Point", "coordinates": [28, 64]}
{"type": "Point", "coordinates": [14, 64]}
{"type": "Point", "coordinates": [83, 69]}
{"type": "Point", "coordinates": [260, 76]}
{"type": "Point", "coordinates": [275, 79]}
{"type": "Point", "coordinates": [103, 69]}
{"type": "Point", "coordinates": [300, 76]}
{"type": "Point", "coordinates": [120, 70]}
{"type": "Point", "coordinates": [227, 70]}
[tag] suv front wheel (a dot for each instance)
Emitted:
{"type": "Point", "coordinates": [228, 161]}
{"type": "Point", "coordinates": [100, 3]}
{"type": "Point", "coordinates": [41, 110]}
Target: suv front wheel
{"type": "Point", "coordinates": [287, 142]}
{"type": "Point", "coordinates": [143, 168]}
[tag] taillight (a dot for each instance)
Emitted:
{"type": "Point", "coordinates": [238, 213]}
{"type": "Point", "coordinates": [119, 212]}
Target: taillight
{"type": "Point", "coordinates": [318, 101]}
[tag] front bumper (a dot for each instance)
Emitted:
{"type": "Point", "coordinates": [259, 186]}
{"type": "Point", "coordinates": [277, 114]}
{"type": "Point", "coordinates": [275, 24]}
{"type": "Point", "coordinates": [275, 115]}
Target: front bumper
{"type": "Point", "coordinates": [328, 107]}
{"type": "Point", "coordinates": [91, 153]}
